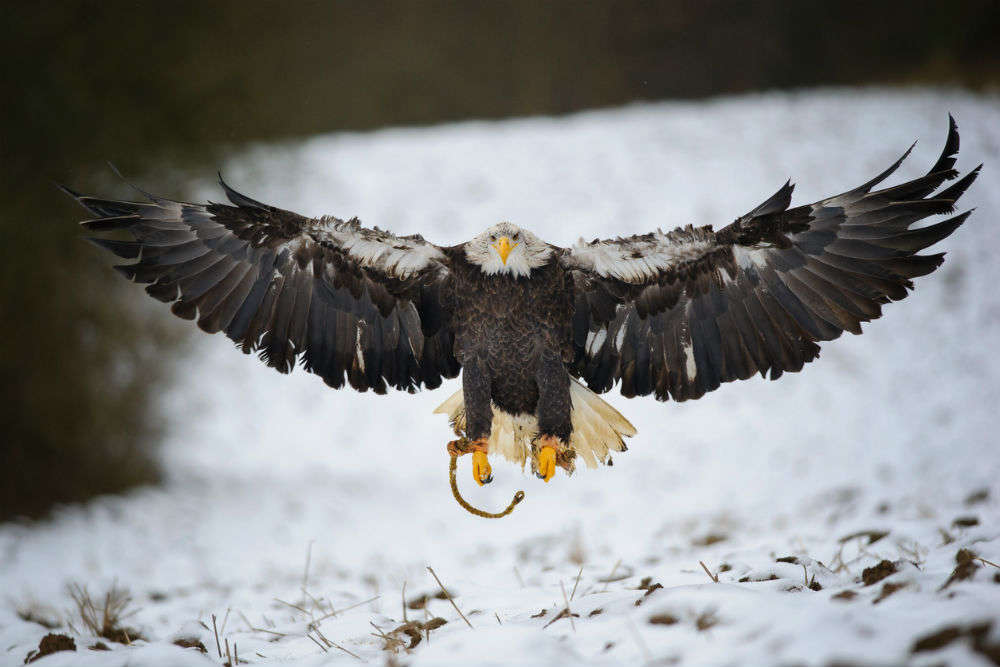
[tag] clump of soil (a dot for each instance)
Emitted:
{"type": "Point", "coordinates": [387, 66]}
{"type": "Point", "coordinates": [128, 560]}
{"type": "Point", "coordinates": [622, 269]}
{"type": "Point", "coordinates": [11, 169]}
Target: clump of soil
{"type": "Point", "coordinates": [595, 612]}
{"type": "Point", "coordinates": [978, 634]}
{"type": "Point", "coordinates": [662, 619]}
{"type": "Point", "coordinates": [747, 579]}
{"type": "Point", "coordinates": [876, 573]}
{"type": "Point", "coordinates": [965, 567]}
{"type": "Point", "coordinates": [844, 595]}
{"type": "Point", "coordinates": [872, 535]}
{"type": "Point", "coordinates": [190, 642]}
{"type": "Point", "coordinates": [706, 620]}
{"type": "Point", "coordinates": [965, 522]}
{"type": "Point", "coordinates": [99, 646]}
{"type": "Point", "coordinates": [888, 589]}
{"type": "Point", "coordinates": [647, 584]}
{"type": "Point", "coordinates": [980, 496]}
{"type": "Point", "coordinates": [787, 559]}
{"type": "Point", "coordinates": [421, 601]}
{"type": "Point", "coordinates": [415, 630]}
{"type": "Point", "coordinates": [709, 540]}
{"type": "Point", "coordinates": [51, 643]}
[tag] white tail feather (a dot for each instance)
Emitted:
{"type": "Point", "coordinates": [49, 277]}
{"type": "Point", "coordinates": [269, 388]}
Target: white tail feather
{"type": "Point", "coordinates": [598, 428]}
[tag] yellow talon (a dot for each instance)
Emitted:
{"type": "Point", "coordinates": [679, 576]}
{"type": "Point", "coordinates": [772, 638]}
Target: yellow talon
{"type": "Point", "coordinates": [547, 463]}
{"type": "Point", "coordinates": [481, 470]}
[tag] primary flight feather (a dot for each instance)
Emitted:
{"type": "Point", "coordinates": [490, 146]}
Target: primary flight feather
{"type": "Point", "coordinates": [528, 323]}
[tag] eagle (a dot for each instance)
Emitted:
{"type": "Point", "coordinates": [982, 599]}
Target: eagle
{"type": "Point", "coordinates": [538, 330]}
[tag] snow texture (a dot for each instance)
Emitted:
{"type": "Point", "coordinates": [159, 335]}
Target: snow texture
{"type": "Point", "coordinates": [893, 431]}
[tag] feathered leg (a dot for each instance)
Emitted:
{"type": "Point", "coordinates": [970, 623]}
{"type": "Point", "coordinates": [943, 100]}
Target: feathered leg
{"type": "Point", "coordinates": [554, 406]}
{"type": "Point", "coordinates": [478, 418]}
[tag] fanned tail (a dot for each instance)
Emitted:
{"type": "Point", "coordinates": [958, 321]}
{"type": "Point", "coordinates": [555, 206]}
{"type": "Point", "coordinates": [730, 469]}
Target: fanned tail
{"type": "Point", "coordinates": [598, 429]}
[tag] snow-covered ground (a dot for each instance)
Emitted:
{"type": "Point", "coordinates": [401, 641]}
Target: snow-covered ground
{"type": "Point", "coordinates": [892, 432]}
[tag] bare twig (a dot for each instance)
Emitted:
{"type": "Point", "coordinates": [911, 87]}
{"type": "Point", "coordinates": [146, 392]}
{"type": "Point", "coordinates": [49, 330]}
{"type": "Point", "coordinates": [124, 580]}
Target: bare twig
{"type": "Point", "coordinates": [229, 655]}
{"type": "Point", "coordinates": [335, 612]}
{"type": "Point", "coordinates": [517, 573]}
{"type": "Point", "coordinates": [713, 577]}
{"type": "Point", "coordinates": [354, 655]}
{"type": "Point", "coordinates": [305, 574]}
{"type": "Point", "coordinates": [805, 574]}
{"type": "Point", "coordinates": [566, 600]}
{"type": "Point", "coordinates": [448, 595]}
{"type": "Point", "coordinates": [225, 619]}
{"type": "Point", "coordinates": [316, 641]}
{"type": "Point", "coordinates": [215, 628]}
{"type": "Point", "coordinates": [987, 562]}
{"type": "Point", "coordinates": [576, 583]}
{"type": "Point", "coordinates": [498, 618]}
{"type": "Point", "coordinates": [293, 606]}
{"type": "Point", "coordinates": [403, 598]}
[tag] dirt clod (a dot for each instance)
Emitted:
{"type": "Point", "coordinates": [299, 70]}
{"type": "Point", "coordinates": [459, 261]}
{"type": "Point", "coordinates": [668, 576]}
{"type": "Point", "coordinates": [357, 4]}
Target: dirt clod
{"type": "Point", "coordinates": [595, 612]}
{"type": "Point", "coordinates": [844, 595]}
{"type": "Point", "coordinates": [965, 522]}
{"type": "Point", "coordinates": [709, 540]}
{"type": "Point", "coordinates": [965, 567]}
{"type": "Point", "coordinates": [876, 573]}
{"type": "Point", "coordinates": [51, 643]}
{"type": "Point", "coordinates": [185, 642]}
{"type": "Point", "coordinates": [99, 646]}
{"type": "Point", "coordinates": [747, 579]}
{"type": "Point", "coordinates": [421, 601]}
{"type": "Point", "coordinates": [888, 589]}
{"type": "Point", "coordinates": [978, 496]}
{"type": "Point", "coordinates": [872, 535]}
{"type": "Point", "coordinates": [662, 619]}
{"type": "Point", "coordinates": [706, 620]}
{"type": "Point", "coordinates": [977, 633]}
{"type": "Point", "coordinates": [787, 559]}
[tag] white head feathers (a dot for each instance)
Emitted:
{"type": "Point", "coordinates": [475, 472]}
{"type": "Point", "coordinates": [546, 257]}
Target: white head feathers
{"type": "Point", "coordinates": [505, 248]}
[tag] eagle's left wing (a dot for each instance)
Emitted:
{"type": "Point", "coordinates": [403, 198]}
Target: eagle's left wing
{"type": "Point", "coordinates": [349, 302]}
{"type": "Point", "coordinates": [678, 313]}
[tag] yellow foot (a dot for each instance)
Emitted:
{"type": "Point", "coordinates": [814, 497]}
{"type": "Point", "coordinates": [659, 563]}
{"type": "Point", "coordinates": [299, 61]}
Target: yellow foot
{"type": "Point", "coordinates": [481, 470]}
{"type": "Point", "coordinates": [547, 463]}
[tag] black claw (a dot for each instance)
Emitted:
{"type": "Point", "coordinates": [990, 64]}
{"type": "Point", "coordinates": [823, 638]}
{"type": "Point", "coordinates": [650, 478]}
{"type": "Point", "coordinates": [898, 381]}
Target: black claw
{"type": "Point", "coordinates": [488, 479]}
{"type": "Point", "coordinates": [539, 475]}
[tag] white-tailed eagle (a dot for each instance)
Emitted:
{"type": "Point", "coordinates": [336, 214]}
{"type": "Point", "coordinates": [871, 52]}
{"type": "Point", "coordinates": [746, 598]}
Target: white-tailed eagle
{"type": "Point", "coordinates": [537, 329]}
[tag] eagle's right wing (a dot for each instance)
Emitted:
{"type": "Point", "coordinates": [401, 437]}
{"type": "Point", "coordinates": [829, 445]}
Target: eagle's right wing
{"type": "Point", "coordinates": [343, 299]}
{"type": "Point", "coordinates": [675, 314]}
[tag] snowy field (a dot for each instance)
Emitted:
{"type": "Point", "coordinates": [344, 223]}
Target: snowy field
{"type": "Point", "coordinates": [288, 504]}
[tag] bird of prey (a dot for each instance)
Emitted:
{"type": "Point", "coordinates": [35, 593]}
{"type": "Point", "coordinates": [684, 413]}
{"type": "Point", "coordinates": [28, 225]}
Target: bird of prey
{"type": "Point", "coordinates": [538, 330]}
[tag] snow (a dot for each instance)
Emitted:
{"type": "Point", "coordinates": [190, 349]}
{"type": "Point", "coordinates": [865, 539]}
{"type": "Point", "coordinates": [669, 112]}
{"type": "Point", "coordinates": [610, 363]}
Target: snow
{"type": "Point", "coordinates": [890, 431]}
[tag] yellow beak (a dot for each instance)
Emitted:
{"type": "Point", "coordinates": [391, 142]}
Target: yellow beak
{"type": "Point", "coordinates": [503, 248]}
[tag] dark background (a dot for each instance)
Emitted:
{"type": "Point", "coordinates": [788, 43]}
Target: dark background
{"type": "Point", "coordinates": [180, 84]}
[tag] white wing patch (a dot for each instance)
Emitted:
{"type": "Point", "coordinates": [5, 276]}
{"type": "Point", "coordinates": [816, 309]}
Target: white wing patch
{"type": "Point", "coordinates": [638, 258]}
{"type": "Point", "coordinates": [381, 250]}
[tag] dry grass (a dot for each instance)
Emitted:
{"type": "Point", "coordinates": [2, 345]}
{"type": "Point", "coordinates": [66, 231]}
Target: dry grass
{"type": "Point", "coordinates": [105, 616]}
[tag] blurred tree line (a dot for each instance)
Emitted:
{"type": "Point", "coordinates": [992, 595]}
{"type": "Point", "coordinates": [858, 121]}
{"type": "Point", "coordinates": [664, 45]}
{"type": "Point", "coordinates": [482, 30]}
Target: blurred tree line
{"type": "Point", "coordinates": [180, 84]}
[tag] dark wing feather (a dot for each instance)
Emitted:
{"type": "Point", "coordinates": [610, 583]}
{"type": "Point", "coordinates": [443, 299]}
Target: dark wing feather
{"type": "Point", "coordinates": [676, 314]}
{"type": "Point", "coordinates": [351, 304]}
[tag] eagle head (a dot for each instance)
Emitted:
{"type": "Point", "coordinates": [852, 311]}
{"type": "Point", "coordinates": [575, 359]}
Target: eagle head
{"type": "Point", "coordinates": [506, 249]}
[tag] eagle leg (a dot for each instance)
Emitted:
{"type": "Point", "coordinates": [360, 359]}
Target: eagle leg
{"type": "Point", "coordinates": [481, 470]}
{"type": "Point", "coordinates": [552, 452]}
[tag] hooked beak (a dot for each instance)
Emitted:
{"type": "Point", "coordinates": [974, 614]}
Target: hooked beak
{"type": "Point", "coordinates": [503, 248]}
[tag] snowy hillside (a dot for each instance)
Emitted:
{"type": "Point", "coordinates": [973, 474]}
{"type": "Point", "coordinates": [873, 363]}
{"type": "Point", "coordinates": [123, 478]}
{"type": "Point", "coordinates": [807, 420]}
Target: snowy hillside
{"type": "Point", "coordinates": [288, 503]}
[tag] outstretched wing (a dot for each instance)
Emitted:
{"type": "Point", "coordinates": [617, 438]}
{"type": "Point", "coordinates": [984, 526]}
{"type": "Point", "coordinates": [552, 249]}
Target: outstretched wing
{"type": "Point", "coordinates": [345, 300]}
{"type": "Point", "coordinates": [678, 313]}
